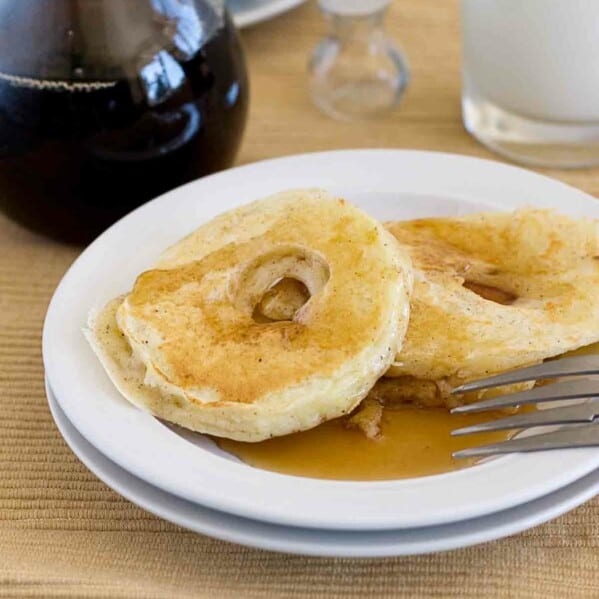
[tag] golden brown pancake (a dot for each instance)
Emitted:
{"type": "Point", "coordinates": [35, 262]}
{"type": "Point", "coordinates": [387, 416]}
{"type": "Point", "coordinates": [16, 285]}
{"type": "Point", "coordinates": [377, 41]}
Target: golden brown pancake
{"type": "Point", "coordinates": [493, 292]}
{"type": "Point", "coordinates": [186, 345]}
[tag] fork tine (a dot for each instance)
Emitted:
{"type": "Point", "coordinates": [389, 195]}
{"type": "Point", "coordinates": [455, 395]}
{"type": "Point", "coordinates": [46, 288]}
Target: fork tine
{"type": "Point", "coordinates": [584, 435]}
{"type": "Point", "coordinates": [576, 365]}
{"type": "Point", "coordinates": [571, 389]}
{"type": "Point", "coordinates": [582, 412]}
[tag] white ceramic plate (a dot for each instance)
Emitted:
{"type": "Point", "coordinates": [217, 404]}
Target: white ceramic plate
{"type": "Point", "coordinates": [322, 542]}
{"type": "Point", "coordinates": [250, 12]}
{"type": "Point", "coordinates": [388, 184]}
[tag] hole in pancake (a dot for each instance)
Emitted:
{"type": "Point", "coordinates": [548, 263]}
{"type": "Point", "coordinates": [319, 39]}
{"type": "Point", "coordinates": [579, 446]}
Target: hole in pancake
{"type": "Point", "coordinates": [491, 293]}
{"type": "Point", "coordinates": [281, 301]}
{"type": "Point", "coordinates": [276, 285]}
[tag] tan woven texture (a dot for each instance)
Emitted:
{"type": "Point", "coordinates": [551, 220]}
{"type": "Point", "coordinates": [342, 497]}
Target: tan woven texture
{"type": "Point", "coordinates": [65, 534]}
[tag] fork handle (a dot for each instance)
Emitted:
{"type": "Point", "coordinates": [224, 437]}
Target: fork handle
{"type": "Point", "coordinates": [584, 435]}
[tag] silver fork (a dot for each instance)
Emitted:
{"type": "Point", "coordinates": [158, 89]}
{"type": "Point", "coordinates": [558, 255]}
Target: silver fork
{"type": "Point", "coordinates": [573, 435]}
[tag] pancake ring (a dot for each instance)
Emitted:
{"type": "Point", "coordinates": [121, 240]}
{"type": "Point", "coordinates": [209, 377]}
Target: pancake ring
{"type": "Point", "coordinates": [198, 357]}
{"type": "Point", "coordinates": [493, 292]}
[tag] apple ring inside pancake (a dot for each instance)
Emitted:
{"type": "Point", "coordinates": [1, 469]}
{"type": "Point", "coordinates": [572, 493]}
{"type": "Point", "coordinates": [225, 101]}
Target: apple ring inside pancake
{"type": "Point", "coordinates": [494, 292]}
{"type": "Point", "coordinates": [193, 352]}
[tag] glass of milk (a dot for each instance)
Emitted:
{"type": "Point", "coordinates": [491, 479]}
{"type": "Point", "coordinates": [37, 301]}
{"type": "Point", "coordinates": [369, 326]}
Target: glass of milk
{"type": "Point", "coordinates": [531, 79]}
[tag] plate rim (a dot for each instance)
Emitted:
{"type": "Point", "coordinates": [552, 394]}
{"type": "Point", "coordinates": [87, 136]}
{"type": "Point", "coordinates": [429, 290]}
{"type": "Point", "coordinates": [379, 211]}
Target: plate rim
{"type": "Point", "coordinates": [228, 527]}
{"type": "Point", "coordinates": [372, 520]}
{"type": "Point", "coordinates": [264, 12]}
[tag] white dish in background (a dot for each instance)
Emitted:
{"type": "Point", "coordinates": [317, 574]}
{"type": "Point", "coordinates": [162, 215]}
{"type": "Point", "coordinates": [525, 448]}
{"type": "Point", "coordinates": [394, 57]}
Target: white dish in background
{"type": "Point", "coordinates": [249, 12]}
{"type": "Point", "coordinates": [390, 184]}
{"type": "Point", "coordinates": [322, 542]}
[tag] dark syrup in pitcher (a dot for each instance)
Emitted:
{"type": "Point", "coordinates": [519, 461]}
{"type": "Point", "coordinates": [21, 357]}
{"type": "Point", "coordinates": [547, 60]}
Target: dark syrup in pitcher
{"type": "Point", "coordinates": [79, 152]}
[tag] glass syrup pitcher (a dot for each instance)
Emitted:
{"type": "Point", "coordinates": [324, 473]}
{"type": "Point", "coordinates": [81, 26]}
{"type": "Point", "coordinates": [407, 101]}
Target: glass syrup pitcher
{"type": "Point", "coordinates": [105, 104]}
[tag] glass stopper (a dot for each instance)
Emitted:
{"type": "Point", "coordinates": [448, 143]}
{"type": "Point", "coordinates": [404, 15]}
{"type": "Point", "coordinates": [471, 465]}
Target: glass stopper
{"type": "Point", "coordinates": [356, 71]}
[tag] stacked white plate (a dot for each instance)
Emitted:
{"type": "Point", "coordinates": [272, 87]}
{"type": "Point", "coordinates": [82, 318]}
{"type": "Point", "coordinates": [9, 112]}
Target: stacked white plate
{"type": "Point", "coordinates": [187, 479]}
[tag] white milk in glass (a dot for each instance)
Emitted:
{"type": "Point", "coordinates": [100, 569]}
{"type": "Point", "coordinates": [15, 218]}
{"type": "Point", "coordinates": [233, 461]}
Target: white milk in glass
{"type": "Point", "coordinates": [531, 78]}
